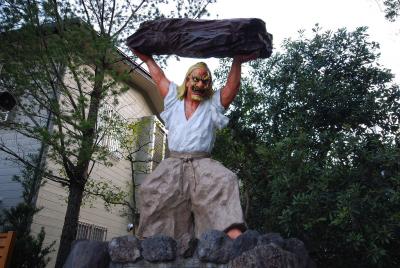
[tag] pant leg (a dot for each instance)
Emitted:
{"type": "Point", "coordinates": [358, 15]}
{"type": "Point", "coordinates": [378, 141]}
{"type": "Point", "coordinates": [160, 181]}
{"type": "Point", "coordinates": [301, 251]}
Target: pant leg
{"type": "Point", "coordinates": [215, 199]}
{"type": "Point", "coordinates": [164, 208]}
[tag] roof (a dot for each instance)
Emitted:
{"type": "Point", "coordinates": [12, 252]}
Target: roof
{"type": "Point", "coordinates": [141, 80]}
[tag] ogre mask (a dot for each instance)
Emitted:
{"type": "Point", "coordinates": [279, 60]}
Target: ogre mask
{"type": "Point", "coordinates": [193, 79]}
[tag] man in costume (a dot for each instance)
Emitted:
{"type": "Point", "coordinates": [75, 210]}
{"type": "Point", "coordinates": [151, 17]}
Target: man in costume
{"type": "Point", "coordinates": [189, 193]}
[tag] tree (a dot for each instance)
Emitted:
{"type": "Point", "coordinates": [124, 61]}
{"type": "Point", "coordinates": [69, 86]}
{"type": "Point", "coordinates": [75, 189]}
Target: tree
{"type": "Point", "coordinates": [325, 119]}
{"type": "Point", "coordinates": [392, 9]}
{"type": "Point", "coordinates": [44, 41]}
{"type": "Point", "coordinates": [238, 146]}
{"type": "Point", "coordinates": [144, 153]}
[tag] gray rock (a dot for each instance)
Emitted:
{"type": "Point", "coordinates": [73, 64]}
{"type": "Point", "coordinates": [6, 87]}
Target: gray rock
{"type": "Point", "coordinates": [88, 253]}
{"type": "Point", "coordinates": [187, 246]}
{"type": "Point", "coordinates": [266, 256]}
{"type": "Point", "coordinates": [214, 246]}
{"type": "Point", "coordinates": [271, 238]}
{"type": "Point", "coordinates": [297, 247]}
{"type": "Point", "coordinates": [177, 263]}
{"type": "Point", "coordinates": [124, 249]}
{"type": "Point", "coordinates": [159, 248]}
{"type": "Point", "coordinates": [215, 250]}
{"type": "Point", "coordinates": [244, 242]}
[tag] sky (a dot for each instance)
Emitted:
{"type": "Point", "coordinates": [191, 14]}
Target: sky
{"type": "Point", "coordinates": [284, 18]}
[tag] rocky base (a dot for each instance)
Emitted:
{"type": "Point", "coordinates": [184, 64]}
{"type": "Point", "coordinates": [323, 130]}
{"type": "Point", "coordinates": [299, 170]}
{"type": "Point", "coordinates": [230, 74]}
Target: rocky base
{"type": "Point", "coordinates": [214, 249]}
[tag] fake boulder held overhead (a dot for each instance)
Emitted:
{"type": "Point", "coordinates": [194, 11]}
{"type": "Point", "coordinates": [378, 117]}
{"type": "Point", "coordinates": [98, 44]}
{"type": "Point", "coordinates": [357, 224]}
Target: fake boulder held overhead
{"type": "Point", "coordinates": [202, 38]}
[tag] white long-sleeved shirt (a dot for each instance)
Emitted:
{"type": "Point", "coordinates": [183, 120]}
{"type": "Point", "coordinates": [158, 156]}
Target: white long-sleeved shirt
{"type": "Point", "coordinates": [196, 134]}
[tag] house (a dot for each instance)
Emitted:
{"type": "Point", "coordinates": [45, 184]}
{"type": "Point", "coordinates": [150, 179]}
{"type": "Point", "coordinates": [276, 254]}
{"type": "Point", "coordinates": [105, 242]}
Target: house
{"type": "Point", "coordinates": [141, 102]}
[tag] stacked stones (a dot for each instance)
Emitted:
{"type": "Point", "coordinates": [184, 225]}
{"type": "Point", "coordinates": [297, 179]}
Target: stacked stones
{"type": "Point", "coordinates": [214, 249]}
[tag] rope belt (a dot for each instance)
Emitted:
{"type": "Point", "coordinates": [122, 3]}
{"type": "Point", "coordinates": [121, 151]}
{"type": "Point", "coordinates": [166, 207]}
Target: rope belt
{"type": "Point", "coordinates": [188, 158]}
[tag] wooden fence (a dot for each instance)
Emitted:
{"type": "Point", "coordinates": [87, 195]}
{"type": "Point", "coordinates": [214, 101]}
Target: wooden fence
{"type": "Point", "coordinates": [6, 248]}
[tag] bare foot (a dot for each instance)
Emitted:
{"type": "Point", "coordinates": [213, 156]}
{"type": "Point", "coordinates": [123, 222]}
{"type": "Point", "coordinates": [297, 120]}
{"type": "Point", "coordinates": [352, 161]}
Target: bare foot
{"type": "Point", "coordinates": [234, 233]}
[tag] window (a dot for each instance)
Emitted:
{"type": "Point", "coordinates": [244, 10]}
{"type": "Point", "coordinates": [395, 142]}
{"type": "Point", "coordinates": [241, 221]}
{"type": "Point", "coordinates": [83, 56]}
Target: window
{"type": "Point", "coordinates": [91, 232]}
{"type": "Point", "coordinates": [108, 119]}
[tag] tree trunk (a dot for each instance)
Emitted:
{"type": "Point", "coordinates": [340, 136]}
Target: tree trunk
{"type": "Point", "coordinates": [70, 223]}
{"type": "Point", "coordinates": [77, 183]}
{"type": "Point", "coordinates": [135, 218]}
{"type": "Point", "coordinates": [247, 203]}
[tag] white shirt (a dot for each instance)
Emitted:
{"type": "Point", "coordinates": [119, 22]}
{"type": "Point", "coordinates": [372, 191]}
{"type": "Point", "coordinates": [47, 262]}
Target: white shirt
{"type": "Point", "coordinates": [196, 134]}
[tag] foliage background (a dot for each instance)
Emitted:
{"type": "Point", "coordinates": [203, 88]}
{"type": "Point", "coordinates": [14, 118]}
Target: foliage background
{"type": "Point", "coordinates": [314, 138]}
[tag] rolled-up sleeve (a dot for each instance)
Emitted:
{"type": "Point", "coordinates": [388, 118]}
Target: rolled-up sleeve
{"type": "Point", "coordinates": [217, 111]}
{"type": "Point", "coordinates": [169, 101]}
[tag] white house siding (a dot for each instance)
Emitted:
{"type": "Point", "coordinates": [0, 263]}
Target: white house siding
{"type": "Point", "coordinates": [11, 191]}
{"type": "Point", "coordinates": [52, 196]}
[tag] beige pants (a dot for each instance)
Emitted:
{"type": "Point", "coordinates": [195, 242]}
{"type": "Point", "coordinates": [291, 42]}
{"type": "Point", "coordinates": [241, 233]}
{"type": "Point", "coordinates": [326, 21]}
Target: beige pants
{"type": "Point", "coordinates": [188, 194]}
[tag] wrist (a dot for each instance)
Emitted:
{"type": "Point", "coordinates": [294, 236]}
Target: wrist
{"type": "Point", "coordinates": [237, 61]}
{"type": "Point", "coordinates": [149, 60]}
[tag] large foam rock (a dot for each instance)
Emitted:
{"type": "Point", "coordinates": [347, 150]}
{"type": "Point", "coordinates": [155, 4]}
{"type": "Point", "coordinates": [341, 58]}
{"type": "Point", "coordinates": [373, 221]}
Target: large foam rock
{"type": "Point", "coordinates": [266, 256]}
{"type": "Point", "coordinates": [246, 241]}
{"type": "Point", "coordinates": [202, 38]}
{"type": "Point", "coordinates": [124, 249]}
{"type": "Point", "coordinates": [88, 253]}
{"type": "Point", "coordinates": [159, 248]}
{"type": "Point", "coordinates": [271, 238]}
{"type": "Point", "coordinates": [214, 246]}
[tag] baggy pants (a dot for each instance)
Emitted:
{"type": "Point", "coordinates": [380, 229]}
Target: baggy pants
{"type": "Point", "coordinates": [189, 193]}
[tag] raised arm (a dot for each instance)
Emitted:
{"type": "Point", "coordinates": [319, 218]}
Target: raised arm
{"type": "Point", "coordinates": [231, 88]}
{"type": "Point", "coordinates": [156, 73]}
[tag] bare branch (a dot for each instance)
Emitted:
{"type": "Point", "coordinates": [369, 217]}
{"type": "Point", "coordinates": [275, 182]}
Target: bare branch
{"type": "Point", "coordinates": [86, 11]}
{"type": "Point", "coordinates": [94, 12]}
{"type": "Point", "coordinates": [128, 20]}
{"type": "Point", "coordinates": [112, 18]}
{"type": "Point", "coordinates": [107, 200]}
{"type": "Point", "coordinates": [102, 17]}
{"type": "Point", "coordinates": [27, 163]}
{"type": "Point", "coordinates": [201, 10]}
{"type": "Point", "coordinates": [78, 83]}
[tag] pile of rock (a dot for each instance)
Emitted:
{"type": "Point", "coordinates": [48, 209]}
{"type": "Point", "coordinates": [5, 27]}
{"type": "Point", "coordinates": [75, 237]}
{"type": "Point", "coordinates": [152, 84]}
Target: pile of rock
{"type": "Point", "coordinates": [214, 249]}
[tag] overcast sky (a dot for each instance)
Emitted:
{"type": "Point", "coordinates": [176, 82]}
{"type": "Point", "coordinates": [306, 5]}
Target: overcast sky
{"type": "Point", "coordinates": [284, 18]}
